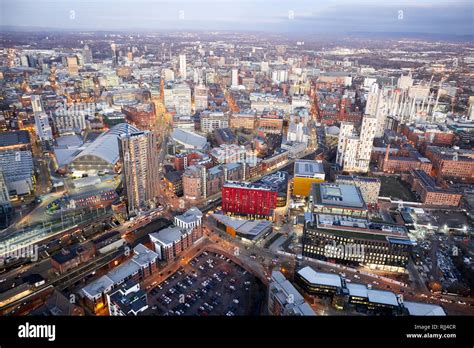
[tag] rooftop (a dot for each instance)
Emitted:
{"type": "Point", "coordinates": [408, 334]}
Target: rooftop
{"type": "Point", "coordinates": [346, 222]}
{"type": "Point", "coordinates": [249, 229]}
{"type": "Point", "coordinates": [321, 278]}
{"type": "Point", "coordinates": [308, 168]}
{"type": "Point", "coordinates": [106, 145]}
{"type": "Point", "coordinates": [167, 235]}
{"type": "Point", "coordinates": [189, 139]}
{"type": "Point", "coordinates": [382, 297]}
{"type": "Point", "coordinates": [417, 308]}
{"type": "Point", "coordinates": [341, 195]}
{"type": "Point", "coordinates": [248, 185]}
{"type": "Point", "coordinates": [190, 215]}
{"type": "Point", "coordinates": [12, 138]}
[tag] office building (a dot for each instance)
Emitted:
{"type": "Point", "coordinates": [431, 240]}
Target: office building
{"type": "Point", "coordinates": [306, 173]}
{"type": "Point", "coordinates": [87, 54]}
{"type": "Point", "coordinates": [360, 298]}
{"type": "Point", "coordinates": [368, 186]}
{"type": "Point", "coordinates": [6, 210]}
{"type": "Point", "coordinates": [278, 181]}
{"type": "Point", "coordinates": [352, 240]}
{"type": "Point", "coordinates": [174, 182]}
{"type": "Point", "coordinates": [67, 122]}
{"type": "Point", "coordinates": [228, 154]}
{"type": "Point", "coordinates": [18, 172]}
{"type": "Point", "coordinates": [452, 163]}
{"type": "Point", "coordinates": [182, 66]}
{"type": "Point", "coordinates": [140, 169]}
{"type": "Point", "coordinates": [336, 199]}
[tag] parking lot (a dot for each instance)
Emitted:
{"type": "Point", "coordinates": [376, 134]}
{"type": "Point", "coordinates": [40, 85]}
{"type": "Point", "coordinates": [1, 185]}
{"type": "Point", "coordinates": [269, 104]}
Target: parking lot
{"type": "Point", "coordinates": [210, 284]}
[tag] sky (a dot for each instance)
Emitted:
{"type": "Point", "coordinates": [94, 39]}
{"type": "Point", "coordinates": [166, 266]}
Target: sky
{"type": "Point", "coordinates": [292, 16]}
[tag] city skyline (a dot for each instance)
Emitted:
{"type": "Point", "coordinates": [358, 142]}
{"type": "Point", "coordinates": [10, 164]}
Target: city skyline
{"type": "Point", "coordinates": [300, 18]}
{"type": "Point", "coordinates": [218, 158]}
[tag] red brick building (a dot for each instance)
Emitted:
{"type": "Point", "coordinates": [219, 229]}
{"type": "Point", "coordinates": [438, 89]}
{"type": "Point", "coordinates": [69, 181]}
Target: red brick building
{"type": "Point", "coordinates": [184, 160]}
{"type": "Point", "coordinates": [431, 194]}
{"type": "Point", "coordinates": [434, 136]}
{"type": "Point", "coordinates": [143, 116]}
{"type": "Point", "coordinates": [404, 162]}
{"type": "Point", "coordinates": [67, 259]}
{"type": "Point", "coordinates": [452, 163]}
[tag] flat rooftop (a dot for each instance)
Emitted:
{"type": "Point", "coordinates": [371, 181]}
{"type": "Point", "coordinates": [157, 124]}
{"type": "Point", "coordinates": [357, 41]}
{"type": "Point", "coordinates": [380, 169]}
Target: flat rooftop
{"type": "Point", "coordinates": [308, 169]}
{"type": "Point", "coordinates": [320, 278]}
{"type": "Point", "coordinates": [419, 309]}
{"type": "Point", "coordinates": [349, 223]}
{"type": "Point", "coordinates": [340, 195]}
{"type": "Point", "coordinates": [248, 185]}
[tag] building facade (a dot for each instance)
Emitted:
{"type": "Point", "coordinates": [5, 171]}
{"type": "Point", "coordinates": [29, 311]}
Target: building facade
{"type": "Point", "coordinates": [140, 169]}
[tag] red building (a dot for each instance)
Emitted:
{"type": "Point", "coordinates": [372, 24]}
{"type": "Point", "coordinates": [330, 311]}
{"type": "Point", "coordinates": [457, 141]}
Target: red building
{"type": "Point", "coordinates": [430, 193]}
{"type": "Point", "coordinates": [143, 116]}
{"type": "Point", "coordinates": [251, 199]}
{"type": "Point", "coordinates": [404, 161]}
{"type": "Point", "coordinates": [452, 163]}
{"type": "Point", "coordinates": [184, 160]}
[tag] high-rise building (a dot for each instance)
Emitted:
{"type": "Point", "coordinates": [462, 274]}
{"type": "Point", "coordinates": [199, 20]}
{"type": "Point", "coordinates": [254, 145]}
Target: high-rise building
{"type": "Point", "coordinates": [140, 169]}
{"type": "Point", "coordinates": [353, 151]}
{"type": "Point", "coordinates": [87, 55]}
{"type": "Point", "coordinates": [235, 77]}
{"type": "Point", "coordinates": [113, 46]}
{"type": "Point", "coordinates": [182, 66]}
{"type": "Point", "coordinates": [72, 66]}
{"type": "Point", "coordinates": [376, 106]}
{"type": "Point", "coordinates": [372, 98]}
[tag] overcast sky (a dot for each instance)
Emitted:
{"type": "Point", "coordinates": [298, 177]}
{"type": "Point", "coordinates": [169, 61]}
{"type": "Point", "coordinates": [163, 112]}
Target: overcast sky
{"type": "Point", "coordinates": [304, 16]}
